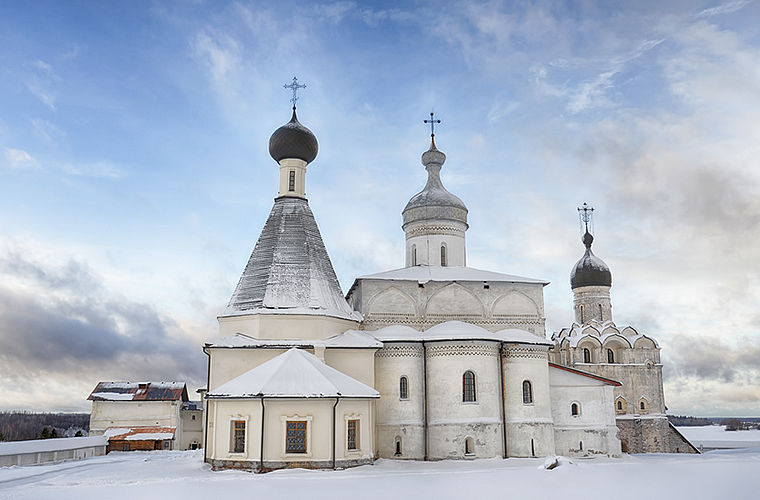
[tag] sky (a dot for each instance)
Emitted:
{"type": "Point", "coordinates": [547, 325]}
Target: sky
{"type": "Point", "coordinates": [135, 175]}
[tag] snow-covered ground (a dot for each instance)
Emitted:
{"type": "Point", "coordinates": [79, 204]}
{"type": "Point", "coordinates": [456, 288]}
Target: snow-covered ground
{"type": "Point", "coordinates": [182, 474]}
{"type": "Point", "coordinates": [716, 436]}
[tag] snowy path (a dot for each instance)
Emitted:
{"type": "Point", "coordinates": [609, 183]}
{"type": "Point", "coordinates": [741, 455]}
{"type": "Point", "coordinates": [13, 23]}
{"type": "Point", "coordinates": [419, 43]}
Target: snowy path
{"type": "Point", "coordinates": [167, 475]}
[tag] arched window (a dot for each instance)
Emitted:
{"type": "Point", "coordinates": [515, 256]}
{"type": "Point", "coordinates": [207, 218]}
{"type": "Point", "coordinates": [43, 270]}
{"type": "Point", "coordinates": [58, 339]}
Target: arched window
{"type": "Point", "coordinates": [610, 356]}
{"type": "Point", "coordinates": [469, 446]}
{"type": "Point", "coordinates": [398, 446]}
{"type": "Point", "coordinates": [620, 405]}
{"type": "Point", "coordinates": [575, 409]}
{"type": "Point", "coordinates": [403, 388]}
{"type": "Point", "coordinates": [468, 387]}
{"type": "Point", "coordinates": [643, 406]}
{"type": "Point", "coordinates": [527, 392]}
{"type": "Point", "coordinates": [586, 355]}
{"type": "Point", "coordinates": [414, 255]}
{"type": "Point", "coordinates": [601, 316]}
{"type": "Point", "coordinates": [443, 255]}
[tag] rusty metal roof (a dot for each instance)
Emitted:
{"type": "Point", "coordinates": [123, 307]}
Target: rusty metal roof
{"type": "Point", "coordinates": [140, 433]}
{"type": "Point", "coordinates": [139, 391]}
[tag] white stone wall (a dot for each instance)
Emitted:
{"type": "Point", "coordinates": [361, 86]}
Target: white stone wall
{"type": "Point", "coordinates": [492, 305]}
{"type": "Point", "coordinates": [592, 303]}
{"type": "Point", "coordinates": [530, 422]}
{"type": "Point", "coordinates": [425, 240]}
{"type": "Point", "coordinates": [451, 420]}
{"type": "Point", "coordinates": [284, 326]}
{"type": "Point", "coordinates": [592, 431]}
{"type": "Point", "coordinates": [400, 419]}
{"type": "Point", "coordinates": [192, 429]}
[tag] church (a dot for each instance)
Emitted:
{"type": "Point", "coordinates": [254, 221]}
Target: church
{"type": "Point", "coordinates": [436, 360]}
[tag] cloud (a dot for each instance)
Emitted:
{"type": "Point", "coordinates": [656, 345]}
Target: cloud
{"type": "Point", "coordinates": [714, 359]}
{"type": "Point", "coordinates": [59, 322]}
{"type": "Point", "coordinates": [41, 83]}
{"type": "Point", "coordinates": [18, 158]}
{"type": "Point", "coordinates": [102, 169]}
{"type": "Point", "coordinates": [725, 8]}
{"type": "Point", "coordinates": [47, 130]}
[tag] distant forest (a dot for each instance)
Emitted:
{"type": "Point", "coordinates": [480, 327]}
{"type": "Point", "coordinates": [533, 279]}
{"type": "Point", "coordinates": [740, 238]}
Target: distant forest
{"type": "Point", "coordinates": [731, 423]}
{"type": "Point", "coordinates": [20, 426]}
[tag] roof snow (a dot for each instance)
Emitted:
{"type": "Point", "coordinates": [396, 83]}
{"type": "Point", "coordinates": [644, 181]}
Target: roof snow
{"type": "Point", "coordinates": [43, 445]}
{"type": "Point", "coordinates": [456, 330]}
{"type": "Point", "coordinates": [139, 433]}
{"type": "Point", "coordinates": [423, 274]}
{"type": "Point", "coordinates": [294, 374]}
{"type": "Point", "coordinates": [351, 339]}
{"type": "Point", "coordinates": [289, 269]}
{"type": "Point", "coordinates": [139, 391]}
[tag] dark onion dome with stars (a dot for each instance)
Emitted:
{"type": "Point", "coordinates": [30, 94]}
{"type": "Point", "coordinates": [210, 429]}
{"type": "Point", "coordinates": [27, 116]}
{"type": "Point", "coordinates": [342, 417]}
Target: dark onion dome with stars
{"type": "Point", "coordinates": [434, 201]}
{"type": "Point", "coordinates": [590, 270]}
{"type": "Point", "coordinates": [293, 140]}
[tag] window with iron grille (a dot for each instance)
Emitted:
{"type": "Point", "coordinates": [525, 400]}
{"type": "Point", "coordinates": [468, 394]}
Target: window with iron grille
{"type": "Point", "coordinates": [468, 387]}
{"type": "Point", "coordinates": [292, 181]}
{"type": "Point", "coordinates": [238, 436]}
{"type": "Point", "coordinates": [403, 388]}
{"type": "Point", "coordinates": [295, 442]}
{"type": "Point", "coordinates": [352, 439]}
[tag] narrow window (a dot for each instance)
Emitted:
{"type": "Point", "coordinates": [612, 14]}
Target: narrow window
{"type": "Point", "coordinates": [580, 445]}
{"type": "Point", "coordinates": [620, 405]}
{"type": "Point", "coordinates": [468, 387]}
{"type": "Point", "coordinates": [398, 446]}
{"type": "Point", "coordinates": [292, 181]}
{"type": "Point", "coordinates": [193, 417]}
{"type": "Point", "coordinates": [610, 356]}
{"type": "Point", "coordinates": [414, 255]}
{"type": "Point", "coordinates": [574, 409]}
{"type": "Point", "coordinates": [443, 255]}
{"type": "Point", "coordinates": [238, 436]}
{"type": "Point", "coordinates": [352, 437]}
{"type": "Point", "coordinates": [586, 356]}
{"type": "Point", "coordinates": [643, 407]}
{"type": "Point", "coordinates": [469, 447]}
{"type": "Point", "coordinates": [532, 448]}
{"type": "Point", "coordinates": [581, 314]}
{"type": "Point", "coordinates": [403, 388]}
{"type": "Point", "coordinates": [296, 438]}
{"type": "Point", "coordinates": [527, 392]}
{"type": "Point", "coordinates": [601, 316]}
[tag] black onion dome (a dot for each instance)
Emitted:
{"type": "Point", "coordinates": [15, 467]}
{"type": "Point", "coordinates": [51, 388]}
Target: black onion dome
{"type": "Point", "coordinates": [293, 140]}
{"type": "Point", "coordinates": [590, 270]}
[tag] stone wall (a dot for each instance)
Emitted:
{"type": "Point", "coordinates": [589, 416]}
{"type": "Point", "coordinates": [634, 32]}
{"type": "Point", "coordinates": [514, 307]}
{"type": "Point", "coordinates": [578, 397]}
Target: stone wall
{"type": "Point", "coordinates": [652, 435]}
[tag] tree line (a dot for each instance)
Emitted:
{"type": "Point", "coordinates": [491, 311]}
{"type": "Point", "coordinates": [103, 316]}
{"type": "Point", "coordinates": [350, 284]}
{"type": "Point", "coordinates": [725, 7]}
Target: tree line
{"type": "Point", "coordinates": [22, 425]}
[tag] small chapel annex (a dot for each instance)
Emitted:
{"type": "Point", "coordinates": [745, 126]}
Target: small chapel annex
{"type": "Point", "coordinates": [435, 360]}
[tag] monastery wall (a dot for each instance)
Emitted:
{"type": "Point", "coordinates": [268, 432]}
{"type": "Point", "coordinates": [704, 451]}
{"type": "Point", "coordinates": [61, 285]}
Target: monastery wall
{"type": "Point", "coordinates": [132, 414]}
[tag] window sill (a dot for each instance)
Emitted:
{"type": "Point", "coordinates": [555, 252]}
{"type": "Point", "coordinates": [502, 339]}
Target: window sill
{"type": "Point", "coordinates": [469, 402]}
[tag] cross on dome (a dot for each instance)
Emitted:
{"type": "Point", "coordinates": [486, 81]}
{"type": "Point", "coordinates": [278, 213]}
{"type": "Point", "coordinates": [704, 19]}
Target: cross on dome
{"type": "Point", "coordinates": [432, 123]}
{"type": "Point", "coordinates": [294, 86]}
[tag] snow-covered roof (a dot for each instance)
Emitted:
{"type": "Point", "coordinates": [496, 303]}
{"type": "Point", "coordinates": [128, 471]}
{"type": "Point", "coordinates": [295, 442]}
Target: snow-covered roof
{"type": "Point", "coordinates": [294, 374]}
{"type": "Point", "coordinates": [585, 374]}
{"type": "Point", "coordinates": [455, 330]}
{"type": "Point", "coordinates": [423, 274]}
{"type": "Point", "coordinates": [139, 391]}
{"type": "Point", "coordinates": [43, 445]}
{"type": "Point", "coordinates": [352, 339]}
{"type": "Point", "coordinates": [289, 270]}
{"type": "Point", "coordinates": [139, 433]}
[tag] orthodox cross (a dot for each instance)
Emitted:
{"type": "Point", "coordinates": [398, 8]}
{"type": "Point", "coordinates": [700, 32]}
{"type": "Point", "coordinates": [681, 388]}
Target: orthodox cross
{"type": "Point", "coordinates": [294, 87]}
{"type": "Point", "coordinates": [432, 123]}
{"type": "Point", "coordinates": [585, 213]}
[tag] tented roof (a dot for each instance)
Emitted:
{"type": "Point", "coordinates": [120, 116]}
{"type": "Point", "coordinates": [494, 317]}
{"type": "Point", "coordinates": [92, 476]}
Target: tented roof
{"type": "Point", "coordinates": [294, 374]}
{"type": "Point", "coordinates": [289, 270]}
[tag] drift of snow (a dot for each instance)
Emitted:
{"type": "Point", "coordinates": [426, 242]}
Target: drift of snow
{"type": "Point", "coordinates": [716, 436]}
{"type": "Point", "coordinates": [182, 474]}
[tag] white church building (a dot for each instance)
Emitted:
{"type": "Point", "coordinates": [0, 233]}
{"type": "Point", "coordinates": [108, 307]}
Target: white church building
{"type": "Point", "coordinates": [433, 361]}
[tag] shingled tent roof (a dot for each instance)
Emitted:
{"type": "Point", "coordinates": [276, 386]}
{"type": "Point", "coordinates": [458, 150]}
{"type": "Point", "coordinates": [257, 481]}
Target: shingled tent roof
{"type": "Point", "coordinates": [139, 391]}
{"type": "Point", "coordinates": [289, 270]}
